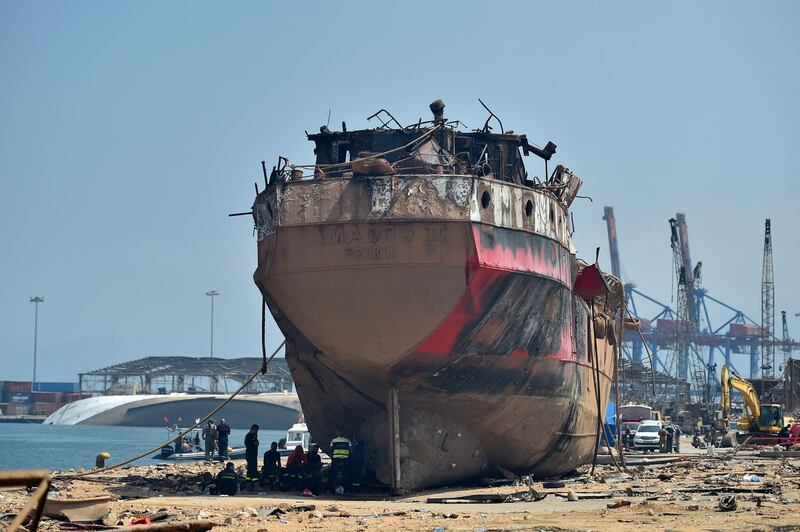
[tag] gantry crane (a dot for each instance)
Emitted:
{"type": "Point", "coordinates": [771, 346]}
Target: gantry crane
{"type": "Point", "coordinates": [767, 308]}
{"type": "Point", "coordinates": [787, 341]}
{"type": "Point", "coordinates": [708, 339]}
{"type": "Point", "coordinates": [685, 325]}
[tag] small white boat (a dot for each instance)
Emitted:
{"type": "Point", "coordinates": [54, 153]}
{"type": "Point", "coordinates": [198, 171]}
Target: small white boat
{"type": "Point", "coordinates": [190, 449]}
{"type": "Point", "coordinates": [297, 435]}
{"type": "Point", "coordinates": [235, 453]}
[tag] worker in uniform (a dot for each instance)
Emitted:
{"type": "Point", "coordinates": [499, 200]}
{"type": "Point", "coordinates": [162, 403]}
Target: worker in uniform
{"type": "Point", "coordinates": [670, 438]}
{"type": "Point", "coordinates": [313, 479]}
{"type": "Point", "coordinates": [296, 467]}
{"type": "Point", "coordinates": [662, 440]}
{"type": "Point", "coordinates": [339, 472]}
{"type": "Point", "coordinates": [677, 437]}
{"type": "Point", "coordinates": [223, 431]}
{"type": "Point", "coordinates": [271, 472]}
{"type": "Point", "coordinates": [228, 480]}
{"type": "Point", "coordinates": [251, 451]}
{"type": "Point", "coordinates": [210, 438]}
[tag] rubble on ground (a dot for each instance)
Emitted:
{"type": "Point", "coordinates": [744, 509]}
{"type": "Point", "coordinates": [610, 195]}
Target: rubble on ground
{"type": "Point", "coordinates": [730, 490]}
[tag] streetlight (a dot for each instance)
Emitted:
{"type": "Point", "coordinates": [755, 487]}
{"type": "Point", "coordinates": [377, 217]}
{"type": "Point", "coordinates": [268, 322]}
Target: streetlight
{"type": "Point", "coordinates": [212, 294]}
{"type": "Point", "coordinates": [35, 300]}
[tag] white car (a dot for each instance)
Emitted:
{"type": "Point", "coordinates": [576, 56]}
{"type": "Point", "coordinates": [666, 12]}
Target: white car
{"type": "Point", "coordinates": [646, 436]}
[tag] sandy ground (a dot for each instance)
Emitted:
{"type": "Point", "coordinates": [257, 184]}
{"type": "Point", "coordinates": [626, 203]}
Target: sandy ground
{"type": "Point", "coordinates": [682, 495]}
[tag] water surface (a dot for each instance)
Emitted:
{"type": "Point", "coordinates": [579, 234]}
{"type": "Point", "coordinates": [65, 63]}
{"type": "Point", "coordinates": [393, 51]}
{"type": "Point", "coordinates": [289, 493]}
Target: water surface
{"type": "Point", "coordinates": [61, 447]}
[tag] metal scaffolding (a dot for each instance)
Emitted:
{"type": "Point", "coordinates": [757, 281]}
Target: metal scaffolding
{"type": "Point", "coordinates": [162, 375]}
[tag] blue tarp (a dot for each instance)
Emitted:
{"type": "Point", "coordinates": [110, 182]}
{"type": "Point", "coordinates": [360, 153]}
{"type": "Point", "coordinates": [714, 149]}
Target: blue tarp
{"type": "Point", "coordinates": [611, 414]}
{"type": "Point", "coordinates": [610, 424]}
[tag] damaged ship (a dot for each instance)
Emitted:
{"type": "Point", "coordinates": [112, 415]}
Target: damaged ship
{"type": "Point", "coordinates": [432, 302]}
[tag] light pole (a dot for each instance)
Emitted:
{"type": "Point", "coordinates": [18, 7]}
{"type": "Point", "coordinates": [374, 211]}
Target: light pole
{"type": "Point", "coordinates": [35, 300]}
{"type": "Point", "coordinates": [212, 294]}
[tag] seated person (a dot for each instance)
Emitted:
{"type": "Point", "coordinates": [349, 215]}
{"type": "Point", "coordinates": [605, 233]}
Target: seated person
{"type": "Point", "coordinates": [228, 480]}
{"type": "Point", "coordinates": [271, 471]}
{"type": "Point", "coordinates": [272, 460]}
{"type": "Point", "coordinates": [297, 457]}
{"type": "Point", "coordinates": [295, 466]}
{"type": "Point", "coordinates": [208, 484]}
{"type": "Point", "coordinates": [313, 478]}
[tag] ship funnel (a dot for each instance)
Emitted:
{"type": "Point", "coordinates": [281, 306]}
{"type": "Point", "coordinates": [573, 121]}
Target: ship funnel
{"type": "Point", "coordinates": [437, 108]}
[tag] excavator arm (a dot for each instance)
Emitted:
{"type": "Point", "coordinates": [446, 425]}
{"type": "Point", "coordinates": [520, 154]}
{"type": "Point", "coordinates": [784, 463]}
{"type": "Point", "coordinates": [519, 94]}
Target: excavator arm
{"type": "Point", "coordinates": [752, 422]}
{"type": "Point", "coordinates": [725, 396]}
{"type": "Point", "coordinates": [750, 398]}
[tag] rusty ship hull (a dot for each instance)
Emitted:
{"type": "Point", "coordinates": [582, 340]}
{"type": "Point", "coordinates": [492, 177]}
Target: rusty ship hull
{"type": "Point", "coordinates": [434, 318]}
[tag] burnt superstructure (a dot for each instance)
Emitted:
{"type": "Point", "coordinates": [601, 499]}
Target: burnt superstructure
{"type": "Point", "coordinates": [433, 304]}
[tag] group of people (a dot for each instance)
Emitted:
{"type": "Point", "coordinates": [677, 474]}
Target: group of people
{"type": "Point", "coordinates": [216, 439]}
{"type": "Point", "coordinates": [669, 438]}
{"type": "Point", "coordinates": [227, 481]}
{"type": "Point", "coordinates": [302, 471]}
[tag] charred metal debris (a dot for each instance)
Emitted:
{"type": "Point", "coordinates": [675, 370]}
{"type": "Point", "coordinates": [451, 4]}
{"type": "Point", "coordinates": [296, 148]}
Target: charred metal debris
{"type": "Point", "coordinates": [433, 146]}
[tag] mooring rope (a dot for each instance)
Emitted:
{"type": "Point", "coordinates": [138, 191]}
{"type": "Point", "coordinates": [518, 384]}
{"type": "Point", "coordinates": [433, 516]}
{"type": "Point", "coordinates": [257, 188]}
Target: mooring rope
{"type": "Point", "coordinates": [182, 434]}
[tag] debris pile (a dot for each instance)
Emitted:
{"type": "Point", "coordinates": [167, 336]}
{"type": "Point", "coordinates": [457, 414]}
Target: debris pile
{"type": "Point", "coordinates": [723, 491]}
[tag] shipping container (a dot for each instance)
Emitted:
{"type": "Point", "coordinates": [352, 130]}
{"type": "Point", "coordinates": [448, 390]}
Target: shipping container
{"type": "Point", "coordinates": [17, 386]}
{"type": "Point", "coordinates": [19, 398]}
{"type": "Point", "coordinates": [65, 387]}
{"type": "Point", "coordinates": [17, 409]}
{"type": "Point", "coordinates": [670, 327]}
{"type": "Point", "coordinates": [740, 330]}
{"type": "Point", "coordinates": [46, 397]}
{"type": "Point", "coordinates": [72, 397]}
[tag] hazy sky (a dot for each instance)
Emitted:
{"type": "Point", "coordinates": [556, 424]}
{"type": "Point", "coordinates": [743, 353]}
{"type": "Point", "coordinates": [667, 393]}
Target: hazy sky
{"type": "Point", "coordinates": [128, 131]}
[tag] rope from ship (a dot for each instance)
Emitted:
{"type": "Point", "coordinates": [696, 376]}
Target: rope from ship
{"type": "Point", "coordinates": [263, 368]}
{"type": "Point", "coordinates": [596, 383]}
{"type": "Point", "coordinates": [617, 357]}
{"type": "Point", "coordinates": [596, 379]}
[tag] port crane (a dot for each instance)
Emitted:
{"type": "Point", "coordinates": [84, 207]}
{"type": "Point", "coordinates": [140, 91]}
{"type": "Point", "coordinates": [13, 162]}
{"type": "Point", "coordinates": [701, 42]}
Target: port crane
{"type": "Point", "coordinates": [767, 307]}
{"type": "Point", "coordinates": [730, 332]}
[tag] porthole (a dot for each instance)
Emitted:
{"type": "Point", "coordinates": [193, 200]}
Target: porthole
{"type": "Point", "coordinates": [486, 199]}
{"type": "Point", "coordinates": [529, 208]}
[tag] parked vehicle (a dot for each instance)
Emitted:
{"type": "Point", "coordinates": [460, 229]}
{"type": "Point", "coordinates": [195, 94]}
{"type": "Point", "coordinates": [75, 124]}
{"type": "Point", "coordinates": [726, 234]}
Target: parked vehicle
{"type": "Point", "coordinates": [646, 437]}
{"type": "Point", "coordinates": [632, 427]}
{"type": "Point", "coordinates": [635, 412]}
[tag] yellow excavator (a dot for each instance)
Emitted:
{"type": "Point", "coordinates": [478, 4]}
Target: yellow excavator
{"type": "Point", "coordinates": [766, 419]}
